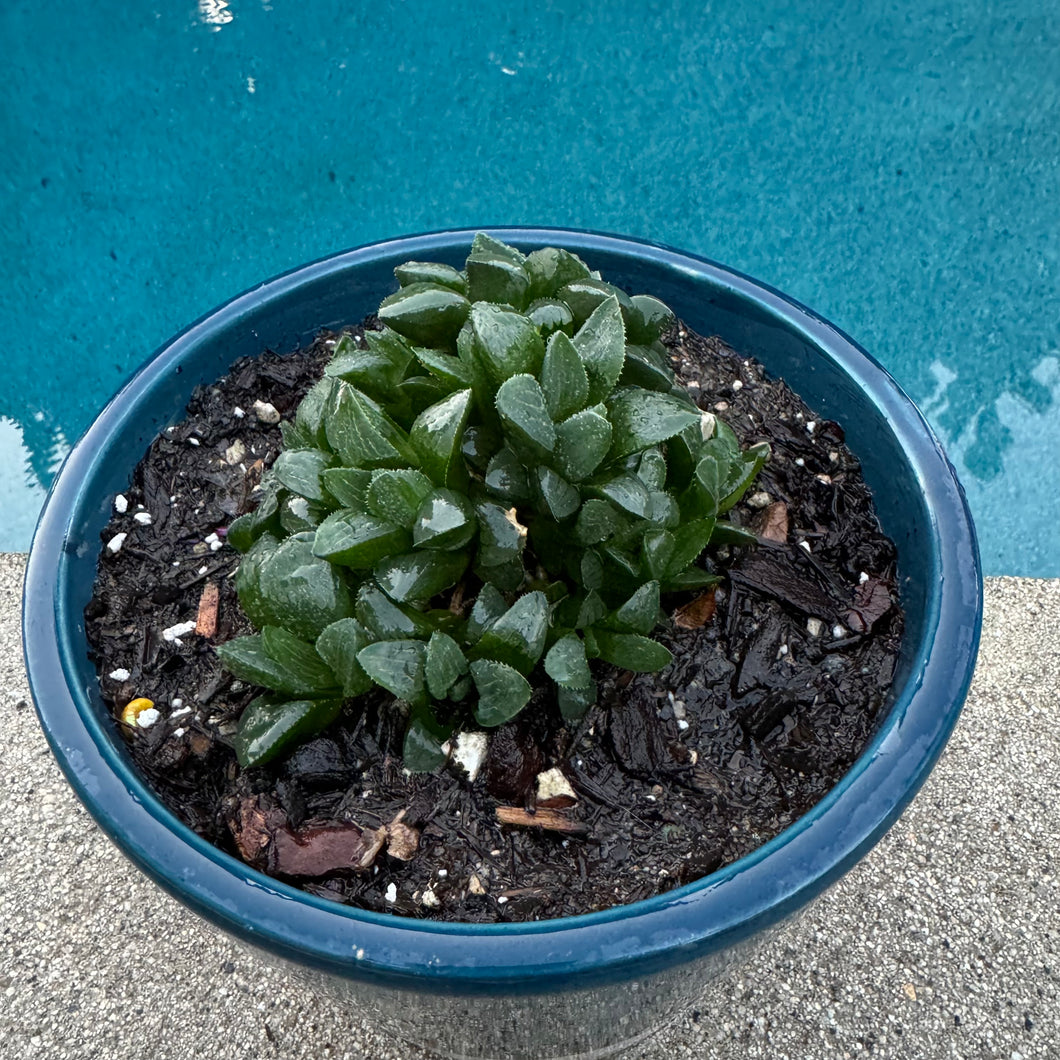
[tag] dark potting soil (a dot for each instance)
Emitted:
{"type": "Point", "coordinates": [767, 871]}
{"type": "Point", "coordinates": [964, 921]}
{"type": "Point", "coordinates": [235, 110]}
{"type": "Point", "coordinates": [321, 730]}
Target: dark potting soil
{"type": "Point", "coordinates": [778, 677]}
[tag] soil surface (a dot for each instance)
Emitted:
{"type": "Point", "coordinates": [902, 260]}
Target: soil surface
{"type": "Point", "coordinates": [778, 677]}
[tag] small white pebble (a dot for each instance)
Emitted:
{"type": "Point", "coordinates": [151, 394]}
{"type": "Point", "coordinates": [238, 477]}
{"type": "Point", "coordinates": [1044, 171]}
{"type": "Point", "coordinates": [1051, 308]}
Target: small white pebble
{"type": "Point", "coordinates": [210, 538]}
{"type": "Point", "coordinates": [553, 784]}
{"type": "Point", "coordinates": [238, 413]}
{"type": "Point", "coordinates": [180, 712]}
{"type": "Point", "coordinates": [173, 632]}
{"type": "Point", "coordinates": [299, 507]}
{"type": "Point", "coordinates": [834, 456]}
{"type": "Point", "coordinates": [146, 718]}
{"type": "Point", "coordinates": [143, 518]}
{"type": "Point", "coordinates": [805, 546]}
{"type": "Point", "coordinates": [121, 674]}
{"type": "Point", "coordinates": [838, 631]}
{"type": "Point", "coordinates": [811, 426]}
{"type": "Point", "coordinates": [814, 626]}
{"type": "Point", "coordinates": [761, 499]}
{"type": "Point", "coordinates": [235, 453]}
{"type": "Point", "coordinates": [474, 885]}
{"type": "Point", "coordinates": [178, 733]}
{"type": "Point", "coordinates": [430, 899]}
{"type": "Point", "coordinates": [469, 752]}
{"type": "Point", "coordinates": [215, 545]}
{"type": "Point", "coordinates": [121, 505]}
{"type": "Point", "coordinates": [115, 543]}
{"type": "Point", "coordinates": [501, 900]}
{"type": "Point", "coordinates": [737, 385]}
{"type": "Point", "coordinates": [782, 650]}
{"type": "Point", "coordinates": [194, 441]}
{"type": "Point", "coordinates": [203, 569]}
{"type": "Point", "coordinates": [443, 872]}
{"type": "Point", "coordinates": [175, 563]}
{"type": "Point", "coordinates": [862, 578]}
{"type": "Point", "coordinates": [799, 462]}
{"type": "Point", "coordinates": [707, 423]}
{"type": "Point", "coordinates": [682, 724]}
{"type": "Point", "coordinates": [266, 412]}
{"type": "Point", "coordinates": [391, 893]}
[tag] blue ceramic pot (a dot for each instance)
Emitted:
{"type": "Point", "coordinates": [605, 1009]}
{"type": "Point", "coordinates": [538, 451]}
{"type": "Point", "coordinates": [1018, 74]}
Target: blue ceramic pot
{"type": "Point", "coordinates": [567, 987]}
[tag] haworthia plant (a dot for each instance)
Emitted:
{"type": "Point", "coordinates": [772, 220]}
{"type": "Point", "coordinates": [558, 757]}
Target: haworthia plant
{"type": "Point", "coordinates": [481, 498]}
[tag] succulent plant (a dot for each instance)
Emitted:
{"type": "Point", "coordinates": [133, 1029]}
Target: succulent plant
{"type": "Point", "coordinates": [484, 496]}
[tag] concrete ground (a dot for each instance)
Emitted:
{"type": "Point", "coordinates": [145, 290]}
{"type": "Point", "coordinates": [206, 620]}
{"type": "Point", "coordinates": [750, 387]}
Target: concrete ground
{"type": "Point", "coordinates": [943, 943]}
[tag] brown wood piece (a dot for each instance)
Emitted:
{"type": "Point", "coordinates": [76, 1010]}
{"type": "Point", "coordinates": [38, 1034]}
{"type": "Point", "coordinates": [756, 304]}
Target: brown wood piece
{"type": "Point", "coordinates": [549, 820]}
{"type": "Point", "coordinates": [696, 613]}
{"type": "Point", "coordinates": [206, 621]}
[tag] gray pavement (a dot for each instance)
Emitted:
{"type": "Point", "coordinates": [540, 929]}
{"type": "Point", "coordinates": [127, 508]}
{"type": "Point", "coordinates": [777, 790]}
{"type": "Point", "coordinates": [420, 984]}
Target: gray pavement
{"type": "Point", "coordinates": [943, 943]}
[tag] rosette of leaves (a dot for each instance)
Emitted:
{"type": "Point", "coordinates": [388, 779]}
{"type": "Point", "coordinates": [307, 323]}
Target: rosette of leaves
{"type": "Point", "coordinates": [484, 496]}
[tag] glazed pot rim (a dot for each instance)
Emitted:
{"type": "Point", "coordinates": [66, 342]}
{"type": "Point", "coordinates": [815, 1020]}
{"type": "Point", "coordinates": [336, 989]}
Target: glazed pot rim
{"type": "Point", "coordinates": [701, 917]}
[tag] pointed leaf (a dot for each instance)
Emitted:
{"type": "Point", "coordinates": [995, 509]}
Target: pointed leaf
{"type": "Point", "coordinates": [375, 367]}
{"type": "Point", "coordinates": [550, 315]}
{"type": "Point", "coordinates": [561, 498]}
{"type": "Point", "coordinates": [582, 443]}
{"type": "Point", "coordinates": [506, 477]}
{"type": "Point", "coordinates": [299, 471]}
{"type": "Point", "coordinates": [658, 549]}
{"type": "Point", "coordinates": [338, 646]}
{"type": "Point", "coordinates": [270, 727]}
{"type": "Point", "coordinates": [566, 664]}
{"type": "Point", "coordinates": [601, 344]}
{"type": "Point", "coordinates": [425, 313]}
{"type": "Point", "coordinates": [299, 660]}
{"type": "Point", "coordinates": [491, 278]}
{"type": "Point", "coordinates": [632, 652]}
{"type": "Point", "coordinates": [640, 613]}
{"type": "Point", "coordinates": [597, 521]}
{"type": "Point", "coordinates": [585, 296]}
{"type": "Point", "coordinates": [445, 663]}
{"type": "Point", "coordinates": [551, 268]}
{"type": "Point", "coordinates": [445, 367]}
{"type": "Point", "coordinates": [385, 620]}
{"type": "Point", "coordinates": [414, 577]}
{"type": "Point", "coordinates": [358, 540]}
{"type": "Point", "coordinates": [505, 342]}
{"type": "Point", "coordinates": [396, 496]}
{"type": "Point", "coordinates": [649, 319]}
{"type": "Point", "coordinates": [398, 666]}
{"type": "Point", "coordinates": [363, 434]}
{"type": "Point", "coordinates": [432, 272]}
{"type": "Point", "coordinates": [309, 416]}
{"type": "Point", "coordinates": [626, 491]}
{"type": "Point", "coordinates": [247, 658]}
{"type": "Point", "coordinates": [436, 436]}
{"type": "Point", "coordinates": [518, 636]}
{"type": "Point", "coordinates": [445, 520]}
{"type": "Point", "coordinates": [591, 611]}
{"type": "Point", "coordinates": [527, 424]}
{"type": "Point", "coordinates": [422, 751]}
{"type": "Point", "coordinates": [640, 418]}
{"type": "Point", "coordinates": [347, 485]}
{"type": "Point", "coordinates": [689, 541]}
{"type": "Point", "coordinates": [575, 702]}
{"type": "Point", "coordinates": [489, 606]}
{"type": "Point", "coordinates": [746, 470]}
{"type": "Point", "coordinates": [502, 692]}
{"type": "Point", "coordinates": [563, 378]}
{"type": "Point", "coordinates": [304, 593]}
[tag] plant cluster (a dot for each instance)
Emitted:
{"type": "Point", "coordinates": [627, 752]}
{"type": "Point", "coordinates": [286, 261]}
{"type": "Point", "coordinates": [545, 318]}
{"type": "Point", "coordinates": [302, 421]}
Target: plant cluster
{"type": "Point", "coordinates": [496, 486]}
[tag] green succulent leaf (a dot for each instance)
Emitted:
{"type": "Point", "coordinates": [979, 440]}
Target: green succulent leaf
{"type": "Point", "coordinates": [592, 610]}
{"type": "Point", "coordinates": [386, 620]}
{"type": "Point", "coordinates": [504, 342]}
{"type": "Point", "coordinates": [597, 521]}
{"type": "Point", "coordinates": [506, 477]}
{"type": "Point", "coordinates": [550, 315]}
{"type": "Point", "coordinates": [414, 577]}
{"type": "Point", "coordinates": [362, 434]}
{"type": "Point", "coordinates": [640, 613]}
{"type": "Point", "coordinates": [560, 497]}
{"type": "Point", "coordinates": [431, 272]}
{"type": "Point", "coordinates": [726, 533]}
{"type": "Point", "coordinates": [582, 442]}
{"type": "Point", "coordinates": [601, 345]}
{"type": "Point", "coordinates": [744, 471]}
{"type": "Point", "coordinates": [436, 437]}
{"type": "Point", "coordinates": [427, 314]}
{"type": "Point", "coordinates": [398, 666]}
{"type": "Point", "coordinates": [489, 606]}
{"type": "Point", "coordinates": [518, 636]}
{"type": "Point", "coordinates": [574, 703]}
{"type": "Point", "coordinates": [551, 268]}
{"type": "Point", "coordinates": [271, 726]}
{"type": "Point", "coordinates": [642, 418]}
{"type": "Point", "coordinates": [564, 381]}
{"type": "Point", "coordinates": [355, 539]}
{"type": "Point", "coordinates": [585, 296]}
{"type": "Point", "coordinates": [645, 368]}
{"type": "Point", "coordinates": [348, 486]}
{"type": "Point", "coordinates": [423, 751]}
{"type": "Point", "coordinates": [247, 658]}
{"type": "Point", "coordinates": [444, 521]}
{"type": "Point", "coordinates": [309, 417]}
{"type": "Point", "coordinates": [376, 367]}
{"type": "Point", "coordinates": [631, 651]}
{"type": "Point", "coordinates": [502, 692]}
{"type": "Point", "coordinates": [395, 496]}
{"type": "Point", "coordinates": [566, 663]}
{"type": "Point", "coordinates": [527, 424]}
{"type": "Point", "coordinates": [449, 370]}
{"type": "Point", "coordinates": [292, 587]}
{"type": "Point", "coordinates": [338, 646]}
{"type": "Point", "coordinates": [627, 492]}
{"type": "Point", "coordinates": [445, 663]}
{"type": "Point", "coordinates": [495, 275]}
